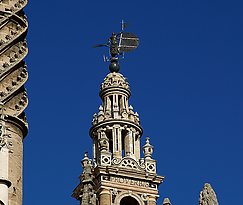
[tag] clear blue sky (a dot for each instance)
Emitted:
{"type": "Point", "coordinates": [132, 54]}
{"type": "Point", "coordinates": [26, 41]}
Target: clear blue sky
{"type": "Point", "coordinates": [186, 82]}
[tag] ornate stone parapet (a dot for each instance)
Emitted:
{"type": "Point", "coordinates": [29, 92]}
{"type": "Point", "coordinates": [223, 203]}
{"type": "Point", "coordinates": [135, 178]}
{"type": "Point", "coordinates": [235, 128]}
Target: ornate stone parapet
{"type": "Point", "coordinates": [128, 163]}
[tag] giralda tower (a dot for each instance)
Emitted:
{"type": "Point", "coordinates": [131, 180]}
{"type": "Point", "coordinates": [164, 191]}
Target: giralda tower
{"type": "Point", "coordinates": [117, 174]}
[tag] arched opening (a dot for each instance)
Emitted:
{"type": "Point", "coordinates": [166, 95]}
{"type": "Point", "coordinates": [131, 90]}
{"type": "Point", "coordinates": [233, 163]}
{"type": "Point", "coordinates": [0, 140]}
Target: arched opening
{"type": "Point", "coordinates": [128, 200]}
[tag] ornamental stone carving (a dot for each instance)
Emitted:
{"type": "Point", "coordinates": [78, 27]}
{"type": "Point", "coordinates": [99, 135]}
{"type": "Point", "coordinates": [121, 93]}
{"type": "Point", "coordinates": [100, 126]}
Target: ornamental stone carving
{"type": "Point", "coordinates": [13, 50]}
{"type": "Point", "coordinates": [13, 75]}
{"type": "Point", "coordinates": [115, 80]}
{"type": "Point", "coordinates": [208, 196]}
{"type": "Point", "coordinates": [117, 165]}
{"type": "Point", "coordinates": [151, 166]}
{"type": "Point", "coordinates": [3, 141]}
{"type": "Point", "coordinates": [127, 162]}
{"type": "Point", "coordinates": [148, 149]}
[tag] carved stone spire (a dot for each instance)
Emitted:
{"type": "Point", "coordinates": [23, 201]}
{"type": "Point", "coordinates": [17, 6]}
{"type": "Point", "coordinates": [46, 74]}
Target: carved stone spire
{"type": "Point", "coordinates": [13, 75]}
{"type": "Point", "coordinates": [208, 196]}
{"type": "Point", "coordinates": [85, 192]}
{"type": "Point", "coordinates": [148, 149]}
{"type": "Point", "coordinates": [120, 174]}
{"type": "Point", "coordinates": [166, 201]}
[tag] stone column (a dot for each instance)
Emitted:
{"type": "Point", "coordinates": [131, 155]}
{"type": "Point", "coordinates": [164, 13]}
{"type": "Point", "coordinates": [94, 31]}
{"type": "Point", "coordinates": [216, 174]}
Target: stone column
{"type": "Point", "coordinates": [13, 97]}
{"type": "Point", "coordinates": [129, 144]}
{"type": "Point", "coordinates": [115, 107]}
{"type": "Point", "coordinates": [137, 147]}
{"type": "Point", "coordinates": [117, 149]}
{"type": "Point", "coordinates": [105, 197]}
{"type": "Point", "coordinates": [4, 183]}
{"type": "Point", "coordinates": [119, 142]}
{"type": "Point", "coordinates": [15, 164]}
{"type": "Point", "coordinates": [114, 139]}
{"type": "Point", "coordinates": [107, 106]}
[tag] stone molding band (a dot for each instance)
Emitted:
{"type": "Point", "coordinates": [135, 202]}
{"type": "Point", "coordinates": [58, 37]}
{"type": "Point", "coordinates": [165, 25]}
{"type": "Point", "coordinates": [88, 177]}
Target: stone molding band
{"type": "Point", "coordinates": [112, 122]}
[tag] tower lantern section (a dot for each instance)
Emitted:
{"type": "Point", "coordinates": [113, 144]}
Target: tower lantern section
{"type": "Point", "coordinates": [116, 129]}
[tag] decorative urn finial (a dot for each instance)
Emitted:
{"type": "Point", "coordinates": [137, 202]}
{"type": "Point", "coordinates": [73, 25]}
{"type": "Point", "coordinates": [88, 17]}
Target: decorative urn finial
{"type": "Point", "coordinates": [85, 161]}
{"type": "Point", "coordinates": [148, 149]}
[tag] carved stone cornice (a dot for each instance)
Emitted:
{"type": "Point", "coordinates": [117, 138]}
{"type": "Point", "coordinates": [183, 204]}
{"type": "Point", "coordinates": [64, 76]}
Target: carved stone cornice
{"type": "Point", "coordinates": [124, 172]}
{"type": "Point", "coordinates": [111, 122]}
{"type": "Point", "coordinates": [22, 125]}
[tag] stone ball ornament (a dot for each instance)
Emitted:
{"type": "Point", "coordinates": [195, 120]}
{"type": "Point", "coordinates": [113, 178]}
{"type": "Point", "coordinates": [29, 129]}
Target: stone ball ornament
{"type": "Point", "coordinates": [114, 66]}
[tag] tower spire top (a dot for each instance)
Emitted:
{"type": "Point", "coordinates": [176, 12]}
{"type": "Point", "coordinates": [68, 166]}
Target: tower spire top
{"type": "Point", "coordinates": [118, 44]}
{"type": "Point", "coordinates": [118, 174]}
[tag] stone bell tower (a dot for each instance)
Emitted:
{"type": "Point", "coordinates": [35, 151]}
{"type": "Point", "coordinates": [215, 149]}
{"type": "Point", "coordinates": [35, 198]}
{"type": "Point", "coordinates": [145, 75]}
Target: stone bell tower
{"type": "Point", "coordinates": [117, 174]}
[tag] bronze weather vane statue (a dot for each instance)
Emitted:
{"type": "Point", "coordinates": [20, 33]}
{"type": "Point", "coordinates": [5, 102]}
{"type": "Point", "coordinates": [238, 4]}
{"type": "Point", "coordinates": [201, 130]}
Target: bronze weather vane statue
{"type": "Point", "coordinates": [119, 44]}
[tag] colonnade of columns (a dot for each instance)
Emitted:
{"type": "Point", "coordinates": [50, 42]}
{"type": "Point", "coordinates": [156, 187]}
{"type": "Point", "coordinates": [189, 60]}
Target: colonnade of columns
{"type": "Point", "coordinates": [119, 140]}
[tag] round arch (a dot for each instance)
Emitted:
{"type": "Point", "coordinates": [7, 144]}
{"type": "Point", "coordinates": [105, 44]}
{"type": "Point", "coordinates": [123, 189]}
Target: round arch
{"type": "Point", "coordinates": [128, 198]}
